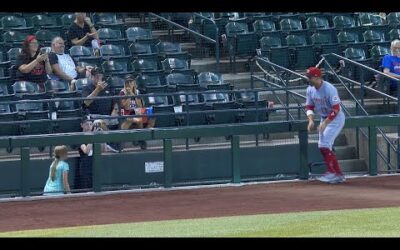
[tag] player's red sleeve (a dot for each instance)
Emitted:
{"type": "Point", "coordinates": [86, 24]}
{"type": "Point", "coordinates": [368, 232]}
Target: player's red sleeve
{"type": "Point", "coordinates": [334, 112]}
{"type": "Point", "coordinates": [310, 107]}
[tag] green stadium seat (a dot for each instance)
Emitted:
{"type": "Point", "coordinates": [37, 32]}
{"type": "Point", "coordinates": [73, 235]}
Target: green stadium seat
{"type": "Point", "coordinates": [110, 51]}
{"type": "Point", "coordinates": [14, 38]}
{"type": "Point", "coordinates": [45, 22]}
{"type": "Point", "coordinates": [45, 37]}
{"type": "Point", "coordinates": [394, 34]}
{"type": "Point", "coordinates": [116, 83]}
{"type": "Point", "coordinates": [359, 55]}
{"type": "Point", "coordinates": [323, 44]}
{"type": "Point", "coordinates": [15, 23]}
{"type": "Point", "coordinates": [271, 47]}
{"type": "Point", "coordinates": [68, 121]}
{"type": "Point", "coordinates": [67, 20]}
{"type": "Point", "coordinates": [145, 65]}
{"type": "Point", "coordinates": [110, 36]}
{"type": "Point", "coordinates": [137, 33]}
{"type": "Point", "coordinates": [9, 129]}
{"type": "Point", "coordinates": [393, 19]}
{"type": "Point", "coordinates": [117, 67]}
{"type": "Point", "coordinates": [140, 48]}
{"type": "Point", "coordinates": [377, 52]}
{"type": "Point", "coordinates": [301, 54]}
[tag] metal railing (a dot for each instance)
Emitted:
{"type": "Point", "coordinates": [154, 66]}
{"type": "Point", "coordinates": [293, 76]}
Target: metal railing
{"type": "Point", "coordinates": [360, 105]}
{"type": "Point", "coordinates": [167, 134]}
{"type": "Point", "coordinates": [197, 34]}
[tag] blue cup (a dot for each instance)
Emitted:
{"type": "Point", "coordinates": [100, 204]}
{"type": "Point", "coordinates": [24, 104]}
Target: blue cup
{"type": "Point", "coordinates": [149, 111]}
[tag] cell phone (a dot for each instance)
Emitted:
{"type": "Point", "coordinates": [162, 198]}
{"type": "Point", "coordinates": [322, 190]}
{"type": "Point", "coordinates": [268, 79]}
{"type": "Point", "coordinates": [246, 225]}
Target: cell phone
{"type": "Point", "coordinates": [38, 51]}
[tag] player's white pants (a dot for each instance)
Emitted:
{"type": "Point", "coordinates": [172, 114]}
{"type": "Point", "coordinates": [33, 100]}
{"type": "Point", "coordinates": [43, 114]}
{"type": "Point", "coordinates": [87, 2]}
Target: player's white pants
{"type": "Point", "coordinates": [327, 138]}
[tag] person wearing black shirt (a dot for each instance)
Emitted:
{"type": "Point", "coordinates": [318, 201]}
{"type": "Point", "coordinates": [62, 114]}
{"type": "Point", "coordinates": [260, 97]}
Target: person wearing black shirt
{"type": "Point", "coordinates": [82, 32]}
{"type": "Point", "coordinates": [31, 64]}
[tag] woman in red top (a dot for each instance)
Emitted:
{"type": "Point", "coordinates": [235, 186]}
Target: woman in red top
{"type": "Point", "coordinates": [32, 65]}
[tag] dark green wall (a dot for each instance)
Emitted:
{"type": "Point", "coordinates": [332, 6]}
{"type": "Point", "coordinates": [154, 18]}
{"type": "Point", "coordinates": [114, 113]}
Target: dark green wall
{"type": "Point", "coordinates": [192, 165]}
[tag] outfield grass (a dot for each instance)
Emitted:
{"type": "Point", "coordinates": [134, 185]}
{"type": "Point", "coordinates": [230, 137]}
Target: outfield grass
{"type": "Point", "coordinates": [337, 223]}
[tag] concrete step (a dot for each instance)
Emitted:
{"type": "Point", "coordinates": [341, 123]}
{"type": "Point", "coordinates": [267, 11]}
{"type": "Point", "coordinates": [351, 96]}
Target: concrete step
{"type": "Point", "coordinates": [347, 166]}
{"type": "Point", "coordinates": [345, 152]}
{"type": "Point", "coordinates": [209, 64]}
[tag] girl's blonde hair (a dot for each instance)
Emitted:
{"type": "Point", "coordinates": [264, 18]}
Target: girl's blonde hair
{"type": "Point", "coordinates": [59, 151]}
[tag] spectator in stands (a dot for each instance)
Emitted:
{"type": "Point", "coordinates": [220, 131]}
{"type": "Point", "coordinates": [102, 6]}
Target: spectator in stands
{"type": "Point", "coordinates": [83, 171]}
{"type": "Point", "coordinates": [82, 32]}
{"type": "Point", "coordinates": [63, 66]}
{"type": "Point", "coordinates": [391, 65]}
{"type": "Point", "coordinates": [98, 87]}
{"type": "Point", "coordinates": [32, 65]}
{"type": "Point", "coordinates": [57, 183]}
{"type": "Point", "coordinates": [101, 107]}
{"type": "Point", "coordinates": [132, 106]}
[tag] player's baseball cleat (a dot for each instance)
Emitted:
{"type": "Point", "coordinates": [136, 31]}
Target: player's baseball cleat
{"type": "Point", "coordinates": [327, 177]}
{"type": "Point", "coordinates": [337, 179]}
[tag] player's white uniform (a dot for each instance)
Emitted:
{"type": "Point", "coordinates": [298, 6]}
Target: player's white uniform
{"type": "Point", "coordinates": [323, 99]}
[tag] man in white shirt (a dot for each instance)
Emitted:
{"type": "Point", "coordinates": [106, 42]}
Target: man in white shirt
{"type": "Point", "coordinates": [63, 66]}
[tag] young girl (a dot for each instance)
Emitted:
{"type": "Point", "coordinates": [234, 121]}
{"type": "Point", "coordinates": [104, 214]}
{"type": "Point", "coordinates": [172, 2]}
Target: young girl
{"type": "Point", "coordinates": [57, 183]}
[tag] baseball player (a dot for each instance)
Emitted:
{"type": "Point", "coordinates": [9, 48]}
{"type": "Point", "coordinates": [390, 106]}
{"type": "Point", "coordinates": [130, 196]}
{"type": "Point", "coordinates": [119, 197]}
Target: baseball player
{"type": "Point", "coordinates": [323, 97]}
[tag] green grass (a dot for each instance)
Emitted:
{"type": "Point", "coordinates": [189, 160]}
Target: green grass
{"type": "Point", "coordinates": [337, 223]}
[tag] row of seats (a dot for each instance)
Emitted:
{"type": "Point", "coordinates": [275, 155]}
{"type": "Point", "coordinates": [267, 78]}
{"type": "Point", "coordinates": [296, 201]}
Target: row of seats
{"type": "Point", "coordinates": [234, 108]}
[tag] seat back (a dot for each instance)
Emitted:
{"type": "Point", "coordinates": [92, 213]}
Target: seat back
{"type": "Point", "coordinates": [135, 33]}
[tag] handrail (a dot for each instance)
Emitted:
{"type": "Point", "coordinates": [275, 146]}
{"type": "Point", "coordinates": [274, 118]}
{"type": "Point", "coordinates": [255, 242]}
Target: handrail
{"type": "Point", "coordinates": [344, 85]}
{"type": "Point", "coordinates": [183, 27]}
{"type": "Point", "coordinates": [362, 65]}
{"type": "Point", "coordinates": [358, 103]}
{"type": "Point", "coordinates": [278, 66]}
{"type": "Point", "coordinates": [369, 88]}
{"type": "Point", "coordinates": [215, 41]}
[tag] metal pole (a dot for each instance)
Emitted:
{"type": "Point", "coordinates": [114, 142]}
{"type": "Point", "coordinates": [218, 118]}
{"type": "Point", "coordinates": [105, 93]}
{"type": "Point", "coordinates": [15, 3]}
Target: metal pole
{"type": "Point", "coordinates": [96, 167]}
{"type": "Point", "coordinates": [217, 46]}
{"type": "Point", "coordinates": [235, 147]}
{"type": "Point", "coordinates": [398, 127]}
{"type": "Point", "coordinates": [373, 170]}
{"type": "Point", "coordinates": [25, 172]}
{"type": "Point", "coordinates": [303, 147]}
{"type": "Point", "coordinates": [167, 163]}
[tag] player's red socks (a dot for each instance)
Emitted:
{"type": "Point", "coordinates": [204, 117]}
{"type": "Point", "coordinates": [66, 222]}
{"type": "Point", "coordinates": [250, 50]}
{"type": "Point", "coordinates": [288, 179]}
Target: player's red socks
{"type": "Point", "coordinates": [331, 161]}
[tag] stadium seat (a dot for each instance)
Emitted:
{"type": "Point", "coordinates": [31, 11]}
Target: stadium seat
{"type": "Point", "coordinates": [45, 37]}
{"type": "Point", "coordinates": [110, 36]}
{"type": "Point", "coordinates": [254, 115]}
{"type": "Point", "coordinates": [301, 54]}
{"type": "Point", "coordinates": [368, 19]}
{"type": "Point", "coordinates": [394, 34]}
{"type": "Point", "coordinates": [176, 65]}
{"type": "Point", "coordinates": [45, 22]}
{"type": "Point", "coordinates": [347, 39]}
{"type": "Point", "coordinates": [11, 128]}
{"type": "Point", "coordinates": [14, 38]}
{"type": "Point", "coordinates": [359, 55]}
{"type": "Point", "coordinates": [377, 52]}
{"type": "Point", "coordinates": [78, 51]}
{"type": "Point", "coordinates": [140, 48]}
{"type": "Point", "coordinates": [341, 22]}
{"type": "Point", "coordinates": [271, 47]}
{"type": "Point", "coordinates": [67, 20]}
{"type": "Point", "coordinates": [68, 121]}
{"type": "Point", "coordinates": [110, 51]}
{"type": "Point", "coordinates": [116, 67]}
{"type": "Point", "coordinates": [241, 42]}
{"type": "Point", "coordinates": [81, 83]}
{"type": "Point", "coordinates": [146, 82]}
{"type": "Point", "coordinates": [207, 80]}
{"type": "Point", "coordinates": [145, 65]}
{"type": "Point", "coordinates": [137, 33]}
{"type": "Point", "coordinates": [15, 23]}
{"type": "Point", "coordinates": [116, 83]}
{"type": "Point", "coordinates": [323, 44]}
{"type": "Point", "coordinates": [263, 26]}
{"type": "Point", "coordinates": [393, 19]}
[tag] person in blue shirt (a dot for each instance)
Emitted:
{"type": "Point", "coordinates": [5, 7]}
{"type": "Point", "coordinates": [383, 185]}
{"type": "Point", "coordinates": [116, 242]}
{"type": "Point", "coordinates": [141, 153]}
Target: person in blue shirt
{"type": "Point", "coordinates": [57, 183]}
{"type": "Point", "coordinates": [391, 64]}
